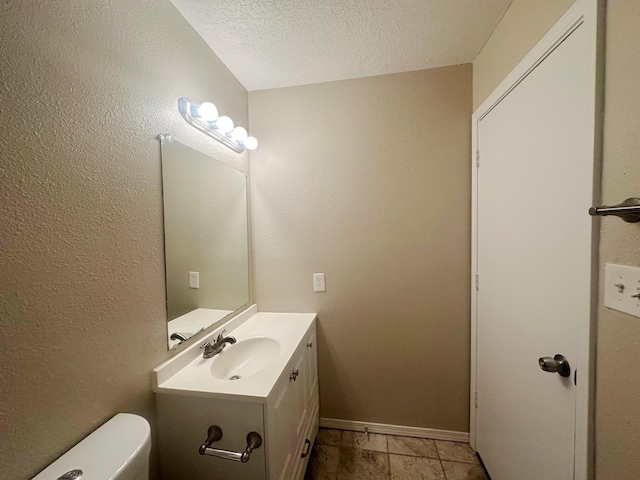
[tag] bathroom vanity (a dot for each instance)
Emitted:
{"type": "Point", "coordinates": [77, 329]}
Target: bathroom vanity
{"type": "Point", "coordinates": [266, 383]}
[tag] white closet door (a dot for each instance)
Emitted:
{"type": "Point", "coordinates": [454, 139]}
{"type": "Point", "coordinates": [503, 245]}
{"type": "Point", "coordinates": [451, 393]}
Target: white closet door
{"type": "Point", "coordinates": [534, 263]}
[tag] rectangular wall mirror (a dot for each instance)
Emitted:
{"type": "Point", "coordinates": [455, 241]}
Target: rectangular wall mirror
{"type": "Point", "coordinates": [205, 240]}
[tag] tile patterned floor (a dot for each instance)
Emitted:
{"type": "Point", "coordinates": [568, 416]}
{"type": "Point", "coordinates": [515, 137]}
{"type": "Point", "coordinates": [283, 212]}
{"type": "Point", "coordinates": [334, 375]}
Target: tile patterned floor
{"type": "Point", "coordinates": [345, 455]}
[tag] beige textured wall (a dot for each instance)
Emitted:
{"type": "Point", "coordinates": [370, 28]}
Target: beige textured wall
{"type": "Point", "coordinates": [368, 181]}
{"type": "Point", "coordinates": [618, 357]}
{"type": "Point", "coordinates": [523, 25]}
{"type": "Point", "coordinates": [86, 86]}
{"type": "Point", "coordinates": [618, 336]}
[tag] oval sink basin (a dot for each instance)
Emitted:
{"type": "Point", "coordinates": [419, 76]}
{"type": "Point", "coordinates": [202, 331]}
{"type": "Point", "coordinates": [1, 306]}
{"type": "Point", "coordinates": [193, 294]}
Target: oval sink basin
{"type": "Point", "coordinates": [245, 358]}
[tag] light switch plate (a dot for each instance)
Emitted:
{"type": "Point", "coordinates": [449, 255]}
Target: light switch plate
{"type": "Point", "coordinates": [621, 284]}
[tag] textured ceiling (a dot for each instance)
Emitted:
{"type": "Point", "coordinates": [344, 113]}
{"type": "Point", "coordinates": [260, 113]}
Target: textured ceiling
{"type": "Point", "coordinates": [278, 43]}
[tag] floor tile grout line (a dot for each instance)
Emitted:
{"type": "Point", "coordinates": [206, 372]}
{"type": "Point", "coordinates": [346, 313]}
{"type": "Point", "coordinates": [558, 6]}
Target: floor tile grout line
{"type": "Point", "coordinates": [389, 465]}
{"type": "Point", "coordinates": [386, 443]}
{"type": "Point", "coordinates": [444, 472]}
{"type": "Point", "coordinates": [440, 460]}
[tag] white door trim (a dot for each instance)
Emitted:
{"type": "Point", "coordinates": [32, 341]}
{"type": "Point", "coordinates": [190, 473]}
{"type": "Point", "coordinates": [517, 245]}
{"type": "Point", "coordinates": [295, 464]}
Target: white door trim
{"type": "Point", "coordinates": [587, 14]}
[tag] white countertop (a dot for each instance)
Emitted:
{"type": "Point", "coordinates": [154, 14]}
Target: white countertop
{"type": "Point", "coordinates": [190, 374]}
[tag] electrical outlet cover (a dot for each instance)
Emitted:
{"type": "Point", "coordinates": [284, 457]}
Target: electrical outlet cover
{"type": "Point", "coordinates": [318, 282]}
{"type": "Point", "coordinates": [194, 279]}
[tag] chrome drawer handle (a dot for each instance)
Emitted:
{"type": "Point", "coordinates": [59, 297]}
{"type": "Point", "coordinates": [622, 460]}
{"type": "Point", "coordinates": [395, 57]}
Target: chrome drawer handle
{"type": "Point", "coordinates": [307, 445]}
{"type": "Point", "coordinates": [294, 375]}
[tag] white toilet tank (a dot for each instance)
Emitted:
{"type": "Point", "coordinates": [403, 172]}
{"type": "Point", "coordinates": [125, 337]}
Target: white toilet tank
{"type": "Point", "coordinates": [118, 450]}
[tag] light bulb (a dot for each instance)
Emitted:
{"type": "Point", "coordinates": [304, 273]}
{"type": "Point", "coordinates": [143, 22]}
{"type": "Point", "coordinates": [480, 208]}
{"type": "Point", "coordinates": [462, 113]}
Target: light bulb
{"type": "Point", "coordinates": [250, 143]}
{"type": "Point", "coordinates": [239, 134]}
{"type": "Point", "coordinates": [224, 124]}
{"type": "Point", "coordinates": [208, 111]}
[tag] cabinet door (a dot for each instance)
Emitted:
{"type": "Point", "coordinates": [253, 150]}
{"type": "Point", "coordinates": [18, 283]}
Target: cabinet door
{"type": "Point", "coordinates": [305, 443]}
{"type": "Point", "coordinates": [311, 370]}
{"type": "Point", "coordinates": [286, 418]}
{"type": "Point", "coordinates": [288, 415]}
{"type": "Point", "coordinates": [282, 437]}
{"type": "Point", "coordinates": [300, 397]}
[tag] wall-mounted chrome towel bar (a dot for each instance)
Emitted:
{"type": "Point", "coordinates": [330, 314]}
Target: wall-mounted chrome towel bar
{"type": "Point", "coordinates": [629, 210]}
{"type": "Point", "coordinates": [254, 440]}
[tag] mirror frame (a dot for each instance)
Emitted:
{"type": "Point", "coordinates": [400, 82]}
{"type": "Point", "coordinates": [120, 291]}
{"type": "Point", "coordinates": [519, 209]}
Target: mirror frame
{"type": "Point", "coordinates": [166, 139]}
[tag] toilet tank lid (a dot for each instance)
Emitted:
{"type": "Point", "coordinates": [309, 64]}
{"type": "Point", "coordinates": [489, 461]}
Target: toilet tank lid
{"type": "Point", "coordinates": [115, 451]}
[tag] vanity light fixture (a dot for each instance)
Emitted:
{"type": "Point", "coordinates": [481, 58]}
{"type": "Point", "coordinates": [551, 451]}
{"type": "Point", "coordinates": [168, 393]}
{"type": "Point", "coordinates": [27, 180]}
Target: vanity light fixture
{"type": "Point", "coordinates": [205, 118]}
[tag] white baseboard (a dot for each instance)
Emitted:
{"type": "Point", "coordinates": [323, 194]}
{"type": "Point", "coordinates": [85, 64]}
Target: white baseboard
{"type": "Point", "coordinates": [399, 430]}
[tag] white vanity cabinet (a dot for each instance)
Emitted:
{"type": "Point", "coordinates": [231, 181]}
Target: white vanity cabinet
{"type": "Point", "coordinates": [292, 413]}
{"type": "Point", "coordinates": [285, 413]}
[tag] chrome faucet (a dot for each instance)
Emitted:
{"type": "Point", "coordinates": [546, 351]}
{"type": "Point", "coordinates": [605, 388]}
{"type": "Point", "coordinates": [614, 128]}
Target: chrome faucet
{"type": "Point", "coordinates": [211, 350]}
{"type": "Point", "coordinates": [178, 336]}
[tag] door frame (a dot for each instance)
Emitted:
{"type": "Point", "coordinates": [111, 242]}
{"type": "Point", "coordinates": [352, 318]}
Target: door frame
{"type": "Point", "coordinates": [588, 14]}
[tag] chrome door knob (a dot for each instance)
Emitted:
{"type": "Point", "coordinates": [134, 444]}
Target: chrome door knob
{"type": "Point", "coordinates": [558, 364]}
